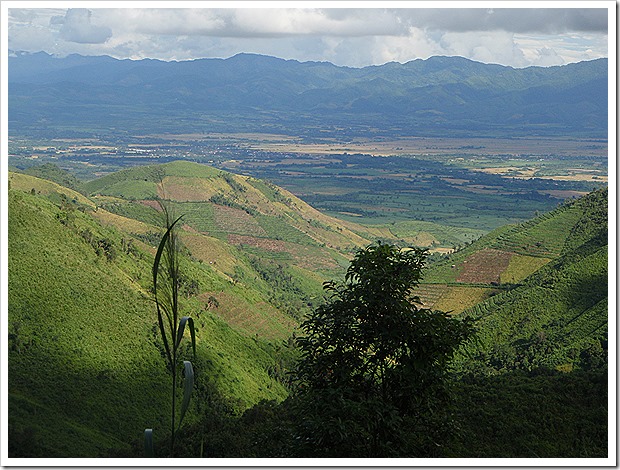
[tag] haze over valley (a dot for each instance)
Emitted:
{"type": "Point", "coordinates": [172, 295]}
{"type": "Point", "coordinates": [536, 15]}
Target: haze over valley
{"type": "Point", "coordinates": [247, 256]}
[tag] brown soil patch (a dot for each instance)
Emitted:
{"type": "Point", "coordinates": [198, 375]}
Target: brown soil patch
{"type": "Point", "coordinates": [232, 220]}
{"type": "Point", "coordinates": [151, 203]}
{"type": "Point", "coordinates": [263, 243]}
{"type": "Point", "coordinates": [485, 266]}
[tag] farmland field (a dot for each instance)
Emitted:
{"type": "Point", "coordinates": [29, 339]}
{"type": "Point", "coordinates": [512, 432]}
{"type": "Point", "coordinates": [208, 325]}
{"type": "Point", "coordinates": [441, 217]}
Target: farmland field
{"type": "Point", "coordinates": [435, 192]}
{"type": "Point", "coordinates": [484, 266]}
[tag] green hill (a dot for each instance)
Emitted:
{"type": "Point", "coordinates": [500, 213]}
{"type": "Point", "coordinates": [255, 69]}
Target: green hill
{"type": "Point", "coordinates": [505, 257]}
{"type": "Point", "coordinates": [52, 172]}
{"type": "Point", "coordinates": [86, 375]}
{"type": "Point", "coordinates": [557, 316]}
{"type": "Point", "coordinates": [286, 247]}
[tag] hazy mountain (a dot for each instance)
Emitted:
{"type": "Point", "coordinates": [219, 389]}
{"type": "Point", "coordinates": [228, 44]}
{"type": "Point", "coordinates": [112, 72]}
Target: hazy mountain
{"type": "Point", "coordinates": [260, 93]}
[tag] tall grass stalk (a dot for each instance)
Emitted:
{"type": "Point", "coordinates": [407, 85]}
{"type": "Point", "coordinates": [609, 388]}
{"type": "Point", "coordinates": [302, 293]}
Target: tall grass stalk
{"type": "Point", "coordinates": [166, 281]}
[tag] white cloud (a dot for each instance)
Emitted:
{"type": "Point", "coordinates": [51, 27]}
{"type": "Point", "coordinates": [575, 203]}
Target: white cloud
{"type": "Point", "coordinates": [490, 47]}
{"type": "Point", "coordinates": [345, 36]}
{"type": "Point", "coordinates": [416, 45]}
{"type": "Point", "coordinates": [76, 26]}
{"type": "Point", "coordinates": [515, 20]}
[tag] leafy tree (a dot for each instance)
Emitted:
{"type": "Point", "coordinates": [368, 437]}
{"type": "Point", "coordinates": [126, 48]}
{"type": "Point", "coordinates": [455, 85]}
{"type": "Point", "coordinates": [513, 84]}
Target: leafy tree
{"type": "Point", "coordinates": [371, 378]}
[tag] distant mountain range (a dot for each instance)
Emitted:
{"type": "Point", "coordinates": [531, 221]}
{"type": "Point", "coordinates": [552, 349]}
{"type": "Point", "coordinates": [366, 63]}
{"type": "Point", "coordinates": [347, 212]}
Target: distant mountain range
{"type": "Point", "coordinates": [254, 93]}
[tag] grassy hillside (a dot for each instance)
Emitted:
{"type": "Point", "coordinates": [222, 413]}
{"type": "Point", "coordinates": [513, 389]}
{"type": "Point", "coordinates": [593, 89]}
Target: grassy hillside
{"type": "Point", "coordinates": [557, 316]}
{"type": "Point", "coordinates": [505, 257]}
{"type": "Point", "coordinates": [236, 209]}
{"type": "Point", "coordinates": [86, 373]}
{"type": "Point", "coordinates": [271, 247]}
{"type": "Point", "coordinates": [52, 172]}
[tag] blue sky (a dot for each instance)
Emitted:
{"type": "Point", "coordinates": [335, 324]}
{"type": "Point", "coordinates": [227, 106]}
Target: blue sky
{"type": "Point", "coordinates": [372, 33]}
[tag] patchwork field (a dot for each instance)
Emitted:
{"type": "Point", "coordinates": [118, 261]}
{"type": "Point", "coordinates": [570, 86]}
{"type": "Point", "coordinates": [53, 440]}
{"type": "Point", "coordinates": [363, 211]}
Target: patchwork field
{"type": "Point", "coordinates": [484, 267]}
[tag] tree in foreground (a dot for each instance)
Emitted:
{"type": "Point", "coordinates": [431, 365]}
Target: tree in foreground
{"type": "Point", "coordinates": [372, 375]}
{"type": "Point", "coordinates": [166, 283]}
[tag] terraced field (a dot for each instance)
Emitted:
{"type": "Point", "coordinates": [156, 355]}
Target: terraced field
{"type": "Point", "coordinates": [484, 266]}
{"type": "Point", "coordinates": [459, 298]}
{"type": "Point", "coordinates": [504, 258]}
{"type": "Point", "coordinates": [542, 237]}
{"type": "Point", "coordinates": [257, 319]}
{"type": "Point", "coordinates": [520, 267]}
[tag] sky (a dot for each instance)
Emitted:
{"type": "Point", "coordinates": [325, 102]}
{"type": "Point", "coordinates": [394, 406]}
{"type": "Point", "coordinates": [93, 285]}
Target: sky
{"type": "Point", "coordinates": [354, 34]}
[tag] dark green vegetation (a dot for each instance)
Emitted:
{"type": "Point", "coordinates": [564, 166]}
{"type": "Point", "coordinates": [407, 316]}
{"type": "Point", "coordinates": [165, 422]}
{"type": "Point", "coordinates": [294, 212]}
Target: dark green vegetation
{"type": "Point", "coordinates": [440, 96]}
{"type": "Point", "coordinates": [372, 372]}
{"type": "Point", "coordinates": [87, 374]}
{"type": "Point", "coordinates": [556, 317]}
{"type": "Point", "coordinates": [167, 283]}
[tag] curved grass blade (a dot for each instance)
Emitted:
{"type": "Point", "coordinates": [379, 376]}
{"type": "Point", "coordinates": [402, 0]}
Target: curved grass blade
{"type": "Point", "coordinates": [192, 332]}
{"type": "Point", "coordinates": [160, 321]}
{"type": "Point", "coordinates": [149, 450]}
{"type": "Point", "coordinates": [160, 250]}
{"type": "Point", "coordinates": [156, 262]}
{"type": "Point", "coordinates": [188, 385]}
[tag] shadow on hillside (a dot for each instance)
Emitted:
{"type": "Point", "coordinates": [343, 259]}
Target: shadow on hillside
{"type": "Point", "coordinates": [542, 413]}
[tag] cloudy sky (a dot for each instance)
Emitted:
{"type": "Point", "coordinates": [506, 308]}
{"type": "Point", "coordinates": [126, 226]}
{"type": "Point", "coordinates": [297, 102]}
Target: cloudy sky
{"type": "Point", "coordinates": [368, 34]}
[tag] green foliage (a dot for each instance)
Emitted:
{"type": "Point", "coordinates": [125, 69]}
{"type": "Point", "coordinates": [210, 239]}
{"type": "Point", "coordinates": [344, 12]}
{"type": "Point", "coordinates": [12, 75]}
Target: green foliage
{"type": "Point", "coordinates": [134, 210]}
{"type": "Point", "coordinates": [271, 191]}
{"type": "Point", "coordinates": [81, 329]}
{"type": "Point", "coordinates": [286, 290]}
{"type": "Point", "coordinates": [590, 230]}
{"type": "Point", "coordinates": [81, 333]}
{"type": "Point", "coordinates": [52, 172]}
{"type": "Point", "coordinates": [80, 339]}
{"type": "Point", "coordinates": [171, 325]}
{"type": "Point", "coordinates": [280, 228]}
{"type": "Point", "coordinates": [527, 415]}
{"type": "Point", "coordinates": [373, 364]}
{"type": "Point", "coordinates": [138, 182]}
{"type": "Point", "coordinates": [556, 314]}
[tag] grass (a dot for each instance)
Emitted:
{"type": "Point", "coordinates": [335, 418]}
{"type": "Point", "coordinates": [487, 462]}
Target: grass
{"type": "Point", "coordinates": [459, 298]}
{"type": "Point", "coordinates": [544, 236]}
{"type": "Point", "coordinates": [546, 320]}
{"type": "Point", "coordinates": [52, 434]}
{"type": "Point", "coordinates": [431, 234]}
{"type": "Point", "coordinates": [531, 415]}
{"type": "Point", "coordinates": [520, 267]}
{"type": "Point", "coordinates": [81, 345]}
{"type": "Point", "coordinates": [25, 182]}
{"type": "Point", "coordinates": [81, 340]}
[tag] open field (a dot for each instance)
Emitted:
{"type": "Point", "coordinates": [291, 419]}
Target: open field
{"type": "Point", "coordinates": [442, 146]}
{"type": "Point", "coordinates": [472, 185]}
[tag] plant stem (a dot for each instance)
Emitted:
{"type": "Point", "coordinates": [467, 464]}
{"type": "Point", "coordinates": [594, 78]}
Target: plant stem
{"type": "Point", "coordinates": [174, 399]}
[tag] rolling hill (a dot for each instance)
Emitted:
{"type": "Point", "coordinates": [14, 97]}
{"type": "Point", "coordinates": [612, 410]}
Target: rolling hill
{"type": "Point", "coordinates": [557, 316]}
{"type": "Point", "coordinates": [86, 373]}
{"type": "Point", "coordinates": [538, 289]}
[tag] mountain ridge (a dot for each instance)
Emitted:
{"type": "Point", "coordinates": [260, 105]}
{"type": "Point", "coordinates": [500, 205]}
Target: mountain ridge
{"type": "Point", "coordinates": [268, 94]}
